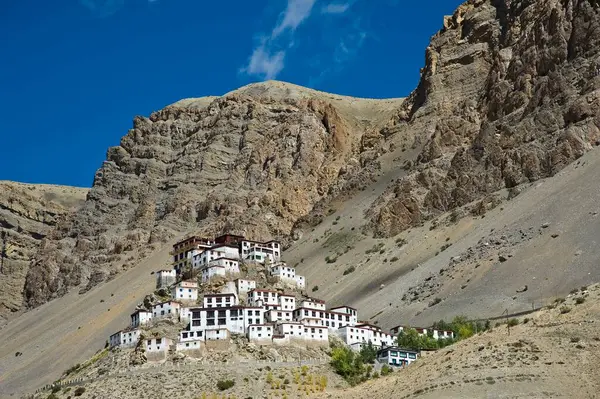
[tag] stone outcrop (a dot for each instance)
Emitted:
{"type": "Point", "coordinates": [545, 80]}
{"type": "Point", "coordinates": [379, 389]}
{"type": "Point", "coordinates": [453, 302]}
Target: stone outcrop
{"type": "Point", "coordinates": [28, 213]}
{"type": "Point", "coordinates": [250, 162]}
{"type": "Point", "coordinates": [509, 94]}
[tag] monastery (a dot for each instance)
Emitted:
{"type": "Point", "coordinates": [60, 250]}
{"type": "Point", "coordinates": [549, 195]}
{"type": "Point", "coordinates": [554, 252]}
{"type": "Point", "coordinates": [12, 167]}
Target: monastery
{"type": "Point", "coordinates": [264, 315]}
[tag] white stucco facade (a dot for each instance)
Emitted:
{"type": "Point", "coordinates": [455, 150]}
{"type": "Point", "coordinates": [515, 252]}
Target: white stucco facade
{"type": "Point", "coordinates": [185, 290]}
{"type": "Point", "coordinates": [166, 309]}
{"type": "Point", "coordinates": [157, 345]}
{"type": "Point", "coordinates": [124, 338]}
{"type": "Point", "coordinates": [140, 317]}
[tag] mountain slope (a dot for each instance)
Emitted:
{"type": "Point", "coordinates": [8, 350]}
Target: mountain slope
{"type": "Point", "coordinates": [252, 162]}
{"type": "Point", "coordinates": [28, 212]}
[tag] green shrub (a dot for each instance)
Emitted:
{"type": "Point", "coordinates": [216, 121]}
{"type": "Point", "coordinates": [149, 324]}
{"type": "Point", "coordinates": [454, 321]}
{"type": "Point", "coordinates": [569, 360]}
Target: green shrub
{"type": "Point", "coordinates": [52, 396]}
{"type": "Point", "coordinates": [513, 322]}
{"type": "Point", "coordinates": [385, 370]}
{"type": "Point", "coordinates": [79, 391]}
{"type": "Point", "coordinates": [55, 388]}
{"type": "Point", "coordinates": [394, 259]}
{"type": "Point", "coordinates": [349, 270]}
{"type": "Point", "coordinates": [315, 288]}
{"type": "Point", "coordinates": [579, 300]}
{"type": "Point", "coordinates": [565, 309]}
{"type": "Point", "coordinates": [225, 384]}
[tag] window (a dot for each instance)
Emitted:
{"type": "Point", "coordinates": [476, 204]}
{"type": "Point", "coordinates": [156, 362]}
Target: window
{"type": "Point", "coordinates": [412, 356]}
{"type": "Point", "coordinates": [184, 335]}
{"type": "Point", "coordinates": [195, 323]}
{"type": "Point", "coordinates": [257, 313]}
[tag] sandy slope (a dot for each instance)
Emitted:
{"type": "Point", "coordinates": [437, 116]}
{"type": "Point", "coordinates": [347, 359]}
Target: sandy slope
{"type": "Point", "coordinates": [68, 330]}
{"type": "Point", "coordinates": [552, 355]}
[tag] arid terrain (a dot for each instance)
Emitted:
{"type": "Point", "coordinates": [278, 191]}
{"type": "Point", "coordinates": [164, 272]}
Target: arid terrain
{"type": "Point", "coordinates": [475, 195]}
{"type": "Point", "coordinates": [552, 353]}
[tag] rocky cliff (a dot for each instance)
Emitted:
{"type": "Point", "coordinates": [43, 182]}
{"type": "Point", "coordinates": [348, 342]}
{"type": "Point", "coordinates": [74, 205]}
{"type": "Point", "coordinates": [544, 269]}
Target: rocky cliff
{"type": "Point", "coordinates": [250, 162]}
{"type": "Point", "coordinates": [28, 213]}
{"type": "Point", "coordinates": [509, 94]}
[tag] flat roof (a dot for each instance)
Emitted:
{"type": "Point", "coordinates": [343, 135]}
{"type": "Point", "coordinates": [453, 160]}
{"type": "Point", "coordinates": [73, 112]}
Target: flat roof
{"type": "Point", "coordinates": [225, 294]}
{"type": "Point", "coordinates": [344, 306]}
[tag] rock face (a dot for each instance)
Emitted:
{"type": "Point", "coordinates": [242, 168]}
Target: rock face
{"type": "Point", "coordinates": [250, 162]}
{"type": "Point", "coordinates": [509, 94]}
{"type": "Point", "coordinates": [27, 214]}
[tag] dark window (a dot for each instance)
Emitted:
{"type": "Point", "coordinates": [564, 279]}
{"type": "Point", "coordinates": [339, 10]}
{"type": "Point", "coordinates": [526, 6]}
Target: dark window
{"type": "Point", "coordinates": [195, 323]}
{"type": "Point", "coordinates": [210, 313]}
{"type": "Point", "coordinates": [222, 322]}
{"type": "Point", "coordinates": [184, 335]}
{"type": "Point", "coordinates": [210, 322]}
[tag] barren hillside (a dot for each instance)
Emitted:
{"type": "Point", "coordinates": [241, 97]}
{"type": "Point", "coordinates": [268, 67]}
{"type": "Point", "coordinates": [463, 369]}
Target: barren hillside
{"type": "Point", "coordinates": [551, 353]}
{"type": "Point", "coordinates": [475, 195]}
{"type": "Point", "coordinates": [28, 212]}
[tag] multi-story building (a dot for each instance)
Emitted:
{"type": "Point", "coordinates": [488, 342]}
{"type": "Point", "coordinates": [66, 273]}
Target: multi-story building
{"type": "Point", "coordinates": [259, 251]}
{"type": "Point", "coordinates": [268, 299]}
{"type": "Point", "coordinates": [244, 286]}
{"type": "Point", "coordinates": [398, 357]}
{"type": "Point", "coordinates": [168, 309]}
{"type": "Point", "coordinates": [236, 319]}
{"type": "Point", "coordinates": [220, 300]}
{"type": "Point", "coordinates": [361, 334]}
{"type": "Point", "coordinates": [220, 267]}
{"type": "Point", "coordinates": [140, 317]}
{"type": "Point", "coordinates": [124, 338]}
{"type": "Point", "coordinates": [285, 273]}
{"type": "Point", "coordinates": [157, 345]}
{"type": "Point", "coordinates": [183, 250]}
{"type": "Point", "coordinates": [185, 290]}
{"type": "Point", "coordinates": [218, 251]}
{"type": "Point", "coordinates": [287, 302]}
{"type": "Point", "coordinates": [165, 278]}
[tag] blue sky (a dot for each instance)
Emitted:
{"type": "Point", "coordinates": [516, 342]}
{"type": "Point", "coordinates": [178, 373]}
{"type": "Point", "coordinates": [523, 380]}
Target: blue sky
{"type": "Point", "coordinates": [74, 73]}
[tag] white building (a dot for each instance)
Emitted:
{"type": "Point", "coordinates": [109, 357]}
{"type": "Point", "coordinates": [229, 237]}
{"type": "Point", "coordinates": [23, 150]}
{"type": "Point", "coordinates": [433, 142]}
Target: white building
{"type": "Point", "coordinates": [166, 309]}
{"type": "Point", "coordinates": [287, 302]}
{"type": "Point", "coordinates": [259, 251]}
{"type": "Point", "coordinates": [287, 274]}
{"type": "Point", "coordinates": [398, 357]}
{"type": "Point", "coordinates": [165, 278]}
{"type": "Point", "coordinates": [157, 345]}
{"type": "Point", "coordinates": [236, 318]}
{"type": "Point", "coordinates": [313, 303]}
{"type": "Point", "coordinates": [261, 333]}
{"type": "Point", "coordinates": [223, 267]}
{"type": "Point", "coordinates": [265, 298]}
{"type": "Point", "coordinates": [362, 334]}
{"type": "Point", "coordinates": [140, 317]}
{"type": "Point", "coordinates": [316, 333]}
{"type": "Point", "coordinates": [184, 251]}
{"type": "Point", "coordinates": [204, 258]}
{"type": "Point", "coordinates": [189, 345]}
{"type": "Point", "coordinates": [185, 290]}
{"type": "Point", "coordinates": [436, 334]}
{"type": "Point", "coordinates": [244, 285]}
{"type": "Point", "coordinates": [292, 329]}
{"type": "Point", "coordinates": [276, 315]}
{"type": "Point", "coordinates": [217, 334]}
{"type": "Point", "coordinates": [220, 300]}
{"type": "Point", "coordinates": [124, 338]}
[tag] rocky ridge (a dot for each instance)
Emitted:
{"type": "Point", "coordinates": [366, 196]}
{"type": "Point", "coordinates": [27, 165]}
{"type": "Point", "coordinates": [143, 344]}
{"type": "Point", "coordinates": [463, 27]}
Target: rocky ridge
{"type": "Point", "coordinates": [28, 213]}
{"type": "Point", "coordinates": [509, 94]}
{"type": "Point", "coordinates": [253, 162]}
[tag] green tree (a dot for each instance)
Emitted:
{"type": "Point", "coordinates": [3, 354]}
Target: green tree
{"type": "Point", "coordinates": [368, 353]}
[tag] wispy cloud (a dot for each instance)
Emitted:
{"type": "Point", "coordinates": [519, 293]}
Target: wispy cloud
{"type": "Point", "coordinates": [335, 8]}
{"type": "Point", "coordinates": [267, 59]}
{"type": "Point", "coordinates": [295, 13]}
{"type": "Point", "coordinates": [264, 63]}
